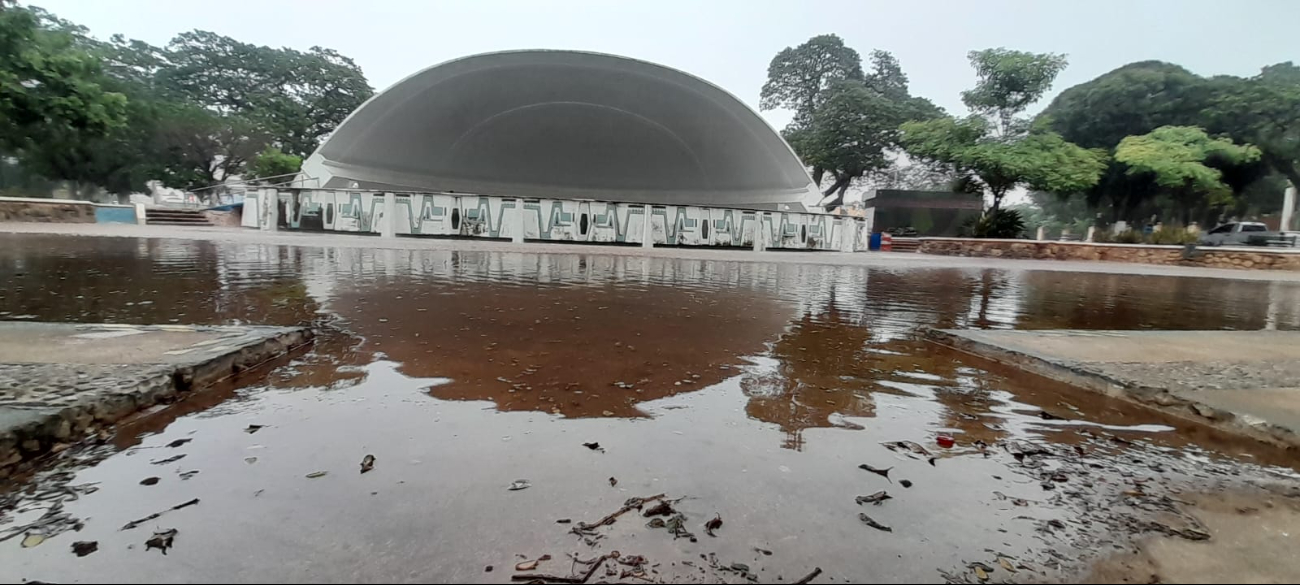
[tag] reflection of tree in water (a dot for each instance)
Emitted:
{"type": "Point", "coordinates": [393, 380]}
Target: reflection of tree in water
{"type": "Point", "coordinates": [831, 363]}
{"type": "Point", "coordinates": [820, 371]}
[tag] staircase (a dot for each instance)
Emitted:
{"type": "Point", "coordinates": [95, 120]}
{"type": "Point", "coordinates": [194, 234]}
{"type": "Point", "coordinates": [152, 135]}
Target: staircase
{"type": "Point", "coordinates": [906, 245]}
{"type": "Point", "coordinates": [165, 216]}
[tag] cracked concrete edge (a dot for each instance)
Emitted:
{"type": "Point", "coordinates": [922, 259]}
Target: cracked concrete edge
{"type": "Point", "coordinates": [26, 434]}
{"type": "Point", "coordinates": [1080, 376]}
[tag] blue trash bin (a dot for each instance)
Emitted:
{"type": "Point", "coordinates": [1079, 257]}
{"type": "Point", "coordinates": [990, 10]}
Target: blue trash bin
{"type": "Point", "coordinates": [874, 244]}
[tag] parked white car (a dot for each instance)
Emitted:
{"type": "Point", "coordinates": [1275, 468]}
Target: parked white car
{"type": "Point", "coordinates": [1249, 233]}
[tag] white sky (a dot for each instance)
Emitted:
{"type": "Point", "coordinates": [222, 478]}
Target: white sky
{"type": "Point", "coordinates": [730, 42]}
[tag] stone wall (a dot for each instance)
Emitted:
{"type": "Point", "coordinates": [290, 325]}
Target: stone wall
{"type": "Point", "coordinates": [1242, 258]}
{"type": "Point", "coordinates": [46, 211]}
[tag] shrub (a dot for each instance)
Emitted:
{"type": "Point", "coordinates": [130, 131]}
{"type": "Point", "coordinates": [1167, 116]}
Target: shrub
{"type": "Point", "coordinates": [1005, 224]}
{"type": "Point", "coordinates": [1173, 236]}
{"type": "Point", "coordinates": [1129, 237]}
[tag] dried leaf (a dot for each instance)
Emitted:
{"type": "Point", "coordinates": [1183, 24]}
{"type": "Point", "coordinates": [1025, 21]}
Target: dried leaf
{"type": "Point", "coordinates": [150, 481]}
{"type": "Point", "coordinates": [316, 474]}
{"type": "Point", "coordinates": [83, 548]}
{"type": "Point", "coordinates": [367, 463]}
{"type": "Point", "coordinates": [881, 472]}
{"type": "Point", "coordinates": [161, 540]}
{"type": "Point", "coordinates": [593, 447]}
{"type": "Point", "coordinates": [712, 525]}
{"type": "Point", "coordinates": [178, 443]}
{"type": "Point", "coordinates": [1006, 564]}
{"type": "Point", "coordinates": [32, 540]}
{"type": "Point", "coordinates": [254, 428]}
{"type": "Point", "coordinates": [877, 498]}
{"type": "Point", "coordinates": [519, 484]}
{"type": "Point", "coordinates": [872, 523]}
{"type": "Point", "coordinates": [613, 482]}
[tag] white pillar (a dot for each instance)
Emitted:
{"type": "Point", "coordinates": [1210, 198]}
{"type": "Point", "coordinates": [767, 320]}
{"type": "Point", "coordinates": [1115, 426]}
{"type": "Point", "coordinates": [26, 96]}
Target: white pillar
{"type": "Point", "coordinates": [388, 229]}
{"type": "Point", "coordinates": [140, 214]}
{"type": "Point", "coordinates": [647, 232]}
{"type": "Point", "coordinates": [1092, 231]}
{"type": "Point", "coordinates": [760, 234]}
{"type": "Point", "coordinates": [518, 236]}
{"type": "Point", "coordinates": [1288, 208]}
{"type": "Point", "coordinates": [1042, 234]}
{"type": "Point", "coordinates": [269, 199]}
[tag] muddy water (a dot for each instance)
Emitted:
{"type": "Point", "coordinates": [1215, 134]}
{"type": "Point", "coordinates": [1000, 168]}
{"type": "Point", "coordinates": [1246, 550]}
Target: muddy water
{"type": "Point", "coordinates": [754, 391]}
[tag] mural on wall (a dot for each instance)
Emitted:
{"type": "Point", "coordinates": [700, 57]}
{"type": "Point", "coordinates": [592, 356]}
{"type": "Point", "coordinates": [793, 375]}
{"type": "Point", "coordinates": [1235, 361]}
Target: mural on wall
{"type": "Point", "coordinates": [560, 220]}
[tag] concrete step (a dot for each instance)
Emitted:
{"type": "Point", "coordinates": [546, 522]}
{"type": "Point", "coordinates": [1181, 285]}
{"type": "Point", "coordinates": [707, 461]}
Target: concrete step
{"type": "Point", "coordinates": [158, 216]}
{"type": "Point", "coordinates": [198, 223]}
{"type": "Point", "coordinates": [906, 245]}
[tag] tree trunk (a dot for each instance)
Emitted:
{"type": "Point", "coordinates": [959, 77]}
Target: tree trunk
{"type": "Point", "coordinates": [840, 185]}
{"type": "Point", "coordinates": [997, 203]}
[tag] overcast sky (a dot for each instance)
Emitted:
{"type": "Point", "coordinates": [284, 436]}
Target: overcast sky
{"type": "Point", "coordinates": [730, 43]}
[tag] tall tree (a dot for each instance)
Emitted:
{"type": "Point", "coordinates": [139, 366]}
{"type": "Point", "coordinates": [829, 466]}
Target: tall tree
{"type": "Point", "coordinates": [798, 77]}
{"type": "Point", "coordinates": [1263, 110]}
{"type": "Point", "coordinates": [995, 148]}
{"type": "Point", "coordinates": [846, 122]}
{"type": "Point", "coordinates": [1176, 158]}
{"type": "Point", "coordinates": [48, 85]}
{"type": "Point", "coordinates": [296, 97]}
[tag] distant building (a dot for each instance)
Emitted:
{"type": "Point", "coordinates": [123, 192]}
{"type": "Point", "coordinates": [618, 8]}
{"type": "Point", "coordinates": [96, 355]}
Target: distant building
{"type": "Point", "coordinates": [928, 213]}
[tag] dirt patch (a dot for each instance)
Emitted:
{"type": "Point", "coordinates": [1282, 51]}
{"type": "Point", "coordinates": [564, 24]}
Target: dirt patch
{"type": "Point", "coordinates": [1253, 536]}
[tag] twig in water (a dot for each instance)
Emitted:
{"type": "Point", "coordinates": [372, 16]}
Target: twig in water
{"type": "Point", "coordinates": [813, 575]}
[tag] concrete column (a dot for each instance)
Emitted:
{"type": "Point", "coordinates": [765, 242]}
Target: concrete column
{"type": "Point", "coordinates": [388, 229]}
{"type": "Point", "coordinates": [1092, 231]}
{"type": "Point", "coordinates": [647, 232]}
{"type": "Point", "coordinates": [518, 236]}
{"type": "Point", "coordinates": [760, 235]}
{"type": "Point", "coordinates": [140, 214]}
{"type": "Point", "coordinates": [1288, 208]}
{"type": "Point", "coordinates": [269, 199]}
{"type": "Point", "coordinates": [1042, 234]}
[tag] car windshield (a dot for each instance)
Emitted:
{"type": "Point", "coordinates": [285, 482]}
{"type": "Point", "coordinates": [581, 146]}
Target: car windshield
{"type": "Point", "coordinates": [1223, 229]}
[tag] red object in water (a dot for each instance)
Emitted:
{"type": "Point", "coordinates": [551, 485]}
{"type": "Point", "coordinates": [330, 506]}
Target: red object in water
{"type": "Point", "coordinates": [945, 441]}
{"type": "Point", "coordinates": [886, 242]}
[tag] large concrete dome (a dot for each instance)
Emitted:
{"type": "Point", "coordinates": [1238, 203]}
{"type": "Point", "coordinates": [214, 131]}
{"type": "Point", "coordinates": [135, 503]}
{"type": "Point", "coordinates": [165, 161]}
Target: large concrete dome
{"type": "Point", "coordinates": [562, 124]}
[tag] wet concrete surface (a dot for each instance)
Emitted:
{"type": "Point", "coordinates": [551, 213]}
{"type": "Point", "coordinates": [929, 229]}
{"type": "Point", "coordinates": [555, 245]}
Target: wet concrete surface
{"type": "Point", "coordinates": [755, 391]}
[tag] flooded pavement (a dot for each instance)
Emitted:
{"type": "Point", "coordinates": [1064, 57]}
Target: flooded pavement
{"type": "Point", "coordinates": [753, 392]}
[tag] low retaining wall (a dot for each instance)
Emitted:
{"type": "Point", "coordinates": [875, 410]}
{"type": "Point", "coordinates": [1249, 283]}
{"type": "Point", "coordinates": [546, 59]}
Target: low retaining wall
{"type": "Point", "coordinates": [550, 220]}
{"type": "Point", "coordinates": [46, 211]}
{"type": "Point", "coordinates": [1242, 258]}
{"type": "Point", "coordinates": [26, 210]}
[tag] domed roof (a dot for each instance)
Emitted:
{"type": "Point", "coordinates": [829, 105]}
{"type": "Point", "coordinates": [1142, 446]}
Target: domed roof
{"type": "Point", "coordinates": [563, 124]}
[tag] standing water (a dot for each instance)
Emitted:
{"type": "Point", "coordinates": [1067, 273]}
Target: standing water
{"type": "Point", "coordinates": [760, 394]}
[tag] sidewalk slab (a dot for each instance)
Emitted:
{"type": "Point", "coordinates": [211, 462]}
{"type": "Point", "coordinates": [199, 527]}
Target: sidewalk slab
{"type": "Point", "coordinates": [60, 380]}
{"type": "Point", "coordinates": [1246, 382]}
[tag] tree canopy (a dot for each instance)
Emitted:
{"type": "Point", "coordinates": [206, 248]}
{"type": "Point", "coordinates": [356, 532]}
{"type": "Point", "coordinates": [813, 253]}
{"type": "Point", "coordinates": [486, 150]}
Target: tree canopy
{"type": "Point", "coordinates": [1138, 98]}
{"type": "Point", "coordinates": [994, 148]}
{"type": "Point", "coordinates": [116, 113]}
{"type": "Point", "coordinates": [1176, 157]}
{"type": "Point", "coordinates": [846, 121]}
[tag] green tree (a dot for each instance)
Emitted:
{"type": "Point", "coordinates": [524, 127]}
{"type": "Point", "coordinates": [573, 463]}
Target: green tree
{"type": "Point", "coordinates": [274, 163]}
{"type": "Point", "coordinates": [798, 77]}
{"type": "Point", "coordinates": [48, 86]}
{"type": "Point", "coordinates": [1176, 157]}
{"type": "Point", "coordinates": [1263, 110]}
{"type": "Point", "coordinates": [295, 97]}
{"type": "Point", "coordinates": [993, 148]}
{"type": "Point", "coordinates": [202, 148]}
{"type": "Point", "coordinates": [846, 122]}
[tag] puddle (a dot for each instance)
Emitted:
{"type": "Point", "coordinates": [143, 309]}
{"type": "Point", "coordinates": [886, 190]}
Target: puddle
{"type": "Point", "coordinates": [754, 391]}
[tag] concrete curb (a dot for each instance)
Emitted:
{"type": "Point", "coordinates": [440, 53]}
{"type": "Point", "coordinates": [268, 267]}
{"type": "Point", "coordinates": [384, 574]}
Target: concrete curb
{"type": "Point", "coordinates": [29, 432]}
{"type": "Point", "coordinates": [1080, 376]}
